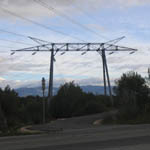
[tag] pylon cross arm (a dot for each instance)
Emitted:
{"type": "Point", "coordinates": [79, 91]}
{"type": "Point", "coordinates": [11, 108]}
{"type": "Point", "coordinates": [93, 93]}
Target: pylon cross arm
{"type": "Point", "coordinates": [76, 47]}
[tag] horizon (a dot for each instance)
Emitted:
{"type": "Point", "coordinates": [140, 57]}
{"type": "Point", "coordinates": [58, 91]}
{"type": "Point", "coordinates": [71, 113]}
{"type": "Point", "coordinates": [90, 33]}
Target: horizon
{"type": "Point", "coordinates": [27, 91]}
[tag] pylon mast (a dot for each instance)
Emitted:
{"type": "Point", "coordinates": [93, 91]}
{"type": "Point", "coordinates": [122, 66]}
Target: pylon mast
{"type": "Point", "coordinates": [101, 48]}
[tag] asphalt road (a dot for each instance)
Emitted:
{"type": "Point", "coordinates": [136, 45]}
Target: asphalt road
{"type": "Point", "coordinates": [122, 137]}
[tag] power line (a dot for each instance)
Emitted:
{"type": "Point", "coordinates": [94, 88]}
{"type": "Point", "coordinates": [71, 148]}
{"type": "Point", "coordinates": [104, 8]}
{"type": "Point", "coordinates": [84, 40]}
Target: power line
{"type": "Point", "coordinates": [38, 24]}
{"type": "Point", "coordinates": [3, 46]}
{"type": "Point", "coordinates": [21, 35]}
{"type": "Point", "coordinates": [91, 17]}
{"type": "Point", "coordinates": [67, 17]}
{"type": "Point", "coordinates": [15, 42]}
{"type": "Point", "coordinates": [16, 34]}
{"type": "Point", "coordinates": [84, 12]}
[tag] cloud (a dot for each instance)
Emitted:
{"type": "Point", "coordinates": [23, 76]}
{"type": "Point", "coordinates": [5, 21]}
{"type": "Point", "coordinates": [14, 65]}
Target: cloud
{"type": "Point", "coordinates": [31, 8]}
{"type": "Point", "coordinates": [57, 82]}
{"type": "Point", "coordinates": [72, 66]}
{"type": "Point", "coordinates": [130, 3]}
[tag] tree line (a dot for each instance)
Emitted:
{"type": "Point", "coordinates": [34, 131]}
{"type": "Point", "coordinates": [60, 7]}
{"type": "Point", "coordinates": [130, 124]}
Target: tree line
{"type": "Point", "coordinates": [131, 99]}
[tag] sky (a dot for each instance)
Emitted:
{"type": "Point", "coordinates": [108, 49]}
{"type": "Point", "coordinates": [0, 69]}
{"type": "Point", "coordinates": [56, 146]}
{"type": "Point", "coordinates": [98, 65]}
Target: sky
{"type": "Point", "coordinates": [72, 21]}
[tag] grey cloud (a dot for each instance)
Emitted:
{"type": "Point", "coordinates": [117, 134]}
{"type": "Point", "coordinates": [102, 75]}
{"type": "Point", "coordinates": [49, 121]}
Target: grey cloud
{"type": "Point", "coordinates": [57, 82]}
{"type": "Point", "coordinates": [17, 64]}
{"type": "Point", "coordinates": [30, 8]}
{"type": "Point", "coordinates": [17, 83]}
{"type": "Point", "coordinates": [133, 2]}
{"type": "Point", "coordinates": [133, 67]}
{"type": "Point", "coordinates": [28, 68]}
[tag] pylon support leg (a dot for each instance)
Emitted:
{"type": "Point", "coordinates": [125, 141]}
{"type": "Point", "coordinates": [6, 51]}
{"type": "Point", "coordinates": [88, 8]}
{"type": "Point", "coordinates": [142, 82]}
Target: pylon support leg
{"type": "Point", "coordinates": [104, 75]}
{"type": "Point", "coordinates": [50, 89]}
{"type": "Point", "coordinates": [107, 74]}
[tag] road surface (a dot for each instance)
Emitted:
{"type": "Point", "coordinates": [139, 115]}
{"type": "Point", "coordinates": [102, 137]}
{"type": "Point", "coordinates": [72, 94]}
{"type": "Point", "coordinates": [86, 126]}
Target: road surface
{"type": "Point", "coordinates": [114, 137]}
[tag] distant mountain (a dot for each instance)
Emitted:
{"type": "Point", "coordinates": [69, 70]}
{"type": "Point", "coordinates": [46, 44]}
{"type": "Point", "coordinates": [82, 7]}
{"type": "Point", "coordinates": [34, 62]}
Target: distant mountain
{"type": "Point", "coordinates": [38, 91]}
{"type": "Point", "coordinates": [93, 89]}
{"type": "Point", "coordinates": [23, 92]}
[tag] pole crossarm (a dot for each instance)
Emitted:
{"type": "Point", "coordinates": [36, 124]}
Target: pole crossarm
{"type": "Point", "coordinates": [64, 47]}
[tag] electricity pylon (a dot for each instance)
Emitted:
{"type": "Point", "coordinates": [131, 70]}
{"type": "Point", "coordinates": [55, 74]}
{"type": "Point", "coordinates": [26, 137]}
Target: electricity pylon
{"type": "Point", "coordinates": [101, 48]}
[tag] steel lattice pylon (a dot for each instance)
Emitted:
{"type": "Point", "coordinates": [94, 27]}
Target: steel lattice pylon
{"type": "Point", "coordinates": [54, 48]}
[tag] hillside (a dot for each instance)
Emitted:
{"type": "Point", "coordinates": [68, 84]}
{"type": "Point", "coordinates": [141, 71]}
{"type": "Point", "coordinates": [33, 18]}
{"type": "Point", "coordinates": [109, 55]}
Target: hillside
{"type": "Point", "coordinates": [37, 90]}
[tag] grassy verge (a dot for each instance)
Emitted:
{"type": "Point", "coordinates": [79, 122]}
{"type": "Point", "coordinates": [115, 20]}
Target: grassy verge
{"type": "Point", "coordinates": [18, 132]}
{"type": "Point", "coordinates": [139, 119]}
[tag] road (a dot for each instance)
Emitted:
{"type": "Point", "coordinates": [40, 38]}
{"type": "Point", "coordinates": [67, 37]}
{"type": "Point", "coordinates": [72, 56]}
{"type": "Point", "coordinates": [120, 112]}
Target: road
{"type": "Point", "coordinates": [113, 137]}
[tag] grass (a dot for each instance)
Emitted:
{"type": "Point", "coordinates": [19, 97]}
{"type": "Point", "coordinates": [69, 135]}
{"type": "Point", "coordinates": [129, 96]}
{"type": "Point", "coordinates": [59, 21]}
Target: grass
{"type": "Point", "coordinates": [143, 118]}
{"type": "Point", "coordinates": [18, 132]}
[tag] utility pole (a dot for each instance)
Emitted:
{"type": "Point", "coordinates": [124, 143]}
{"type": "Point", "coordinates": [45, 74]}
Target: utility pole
{"type": "Point", "coordinates": [43, 89]}
{"type": "Point", "coordinates": [149, 73]}
{"type": "Point", "coordinates": [50, 88]}
{"type": "Point", "coordinates": [107, 74]}
{"type": "Point", "coordinates": [104, 72]}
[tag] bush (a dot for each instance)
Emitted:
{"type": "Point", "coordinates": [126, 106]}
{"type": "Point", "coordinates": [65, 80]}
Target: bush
{"type": "Point", "coordinates": [131, 89]}
{"type": "Point", "coordinates": [72, 101]}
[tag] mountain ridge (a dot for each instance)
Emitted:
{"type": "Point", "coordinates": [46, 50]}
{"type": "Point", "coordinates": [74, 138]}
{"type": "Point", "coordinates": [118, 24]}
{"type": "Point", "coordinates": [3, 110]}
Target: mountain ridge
{"type": "Point", "coordinates": [24, 91]}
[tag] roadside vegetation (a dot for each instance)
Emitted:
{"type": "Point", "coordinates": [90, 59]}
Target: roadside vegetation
{"type": "Point", "coordinates": [132, 100]}
{"type": "Point", "coordinates": [70, 101]}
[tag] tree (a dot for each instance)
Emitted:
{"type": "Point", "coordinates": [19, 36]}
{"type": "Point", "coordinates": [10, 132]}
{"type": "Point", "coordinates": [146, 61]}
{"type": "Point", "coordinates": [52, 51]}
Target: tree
{"type": "Point", "coordinates": [148, 78]}
{"type": "Point", "coordinates": [8, 107]}
{"type": "Point", "coordinates": [62, 105]}
{"type": "Point", "coordinates": [72, 101]}
{"type": "Point", "coordinates": [30, 110]}
{"type": "Point", "coordinates": [131, 89]}
{"type": "Point", "coordinates": [3, 120]}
